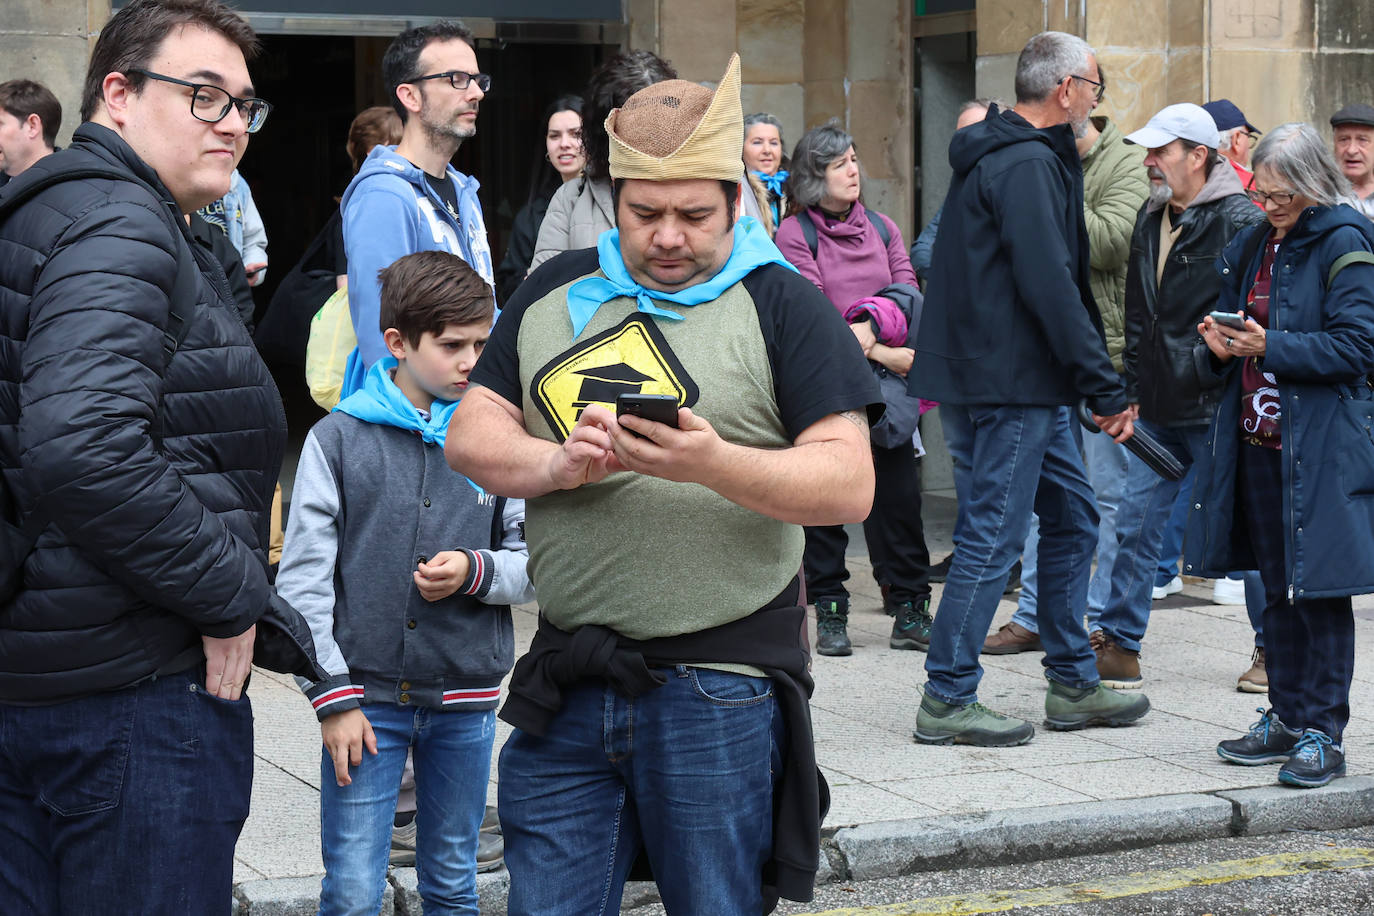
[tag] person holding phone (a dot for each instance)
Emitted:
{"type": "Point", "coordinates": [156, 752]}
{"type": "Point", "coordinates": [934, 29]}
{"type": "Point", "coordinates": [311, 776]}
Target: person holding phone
{"type": "Point", "coordinates": [1286, 483]}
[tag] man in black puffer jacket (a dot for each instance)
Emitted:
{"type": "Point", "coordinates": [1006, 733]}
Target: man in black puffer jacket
{"type": "Point", "coordinates": [126, 740]}
{"type": "Point", "coordinates": [1196, 207]}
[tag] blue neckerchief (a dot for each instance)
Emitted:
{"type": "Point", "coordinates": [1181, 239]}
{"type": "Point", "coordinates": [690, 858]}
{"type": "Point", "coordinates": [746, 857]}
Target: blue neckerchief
{"type": "Point", "coordinates": [772, 182]}
{"type": "Point", "coordinates": [752, 248]}
{"type": "Point", "coordinates": [380, 401]}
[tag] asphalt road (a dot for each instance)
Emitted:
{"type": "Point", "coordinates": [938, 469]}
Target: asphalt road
{"type": "Point", "coordinates": [1290, 874]}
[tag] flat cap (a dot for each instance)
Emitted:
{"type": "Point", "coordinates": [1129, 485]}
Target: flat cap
{"type": "Point", "coordinates": [1354, 113]}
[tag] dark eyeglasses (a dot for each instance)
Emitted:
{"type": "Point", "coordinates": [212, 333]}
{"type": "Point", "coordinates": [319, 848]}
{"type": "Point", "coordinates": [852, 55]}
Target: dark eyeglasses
{"type": "Point", "coordinates": [457, 79]}
{"type": "Point", "coordinates": [211, 104]}
{"type": "Point", "coordinates": [1101, 87]}
{"type": "Point", "coordinates": [1282, 198]}
{"type": "Point", "coordinates": [1254, 135]}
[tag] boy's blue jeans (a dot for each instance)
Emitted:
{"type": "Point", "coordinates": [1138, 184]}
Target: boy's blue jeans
{"type": "Point", "coordinates": [684, 772]}
{"type": "Point", "coordinates": [128, 801]}
{"type": "Point", "coordinates": [452, 765]}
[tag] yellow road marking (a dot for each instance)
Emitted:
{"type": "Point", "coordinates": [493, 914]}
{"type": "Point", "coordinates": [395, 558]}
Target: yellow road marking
{"type": "Point", "coordinates": [1111, 888]}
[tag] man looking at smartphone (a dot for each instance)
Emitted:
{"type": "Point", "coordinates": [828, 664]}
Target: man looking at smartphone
{"type": "Point", "coordinates": [663, 704]}
{"type": "Point", "coordinates": [1197, 204]}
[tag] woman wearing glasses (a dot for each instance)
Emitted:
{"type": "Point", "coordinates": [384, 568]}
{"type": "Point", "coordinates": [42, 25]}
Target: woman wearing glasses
{"type": "Point", "coordinates": [1288, 485]}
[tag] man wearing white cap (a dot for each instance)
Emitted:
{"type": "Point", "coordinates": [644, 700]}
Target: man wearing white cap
{"type": "Point", "coordinates": [662, 707]}
{"type": "Point", "coordinates": [1197, 205]}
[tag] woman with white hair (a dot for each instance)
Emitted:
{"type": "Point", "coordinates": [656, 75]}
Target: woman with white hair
{"type": "Point", "coordinates": [1288, 486]}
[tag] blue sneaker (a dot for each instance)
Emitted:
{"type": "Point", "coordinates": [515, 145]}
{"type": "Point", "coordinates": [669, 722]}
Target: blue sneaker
{"type": "Point", "coordinates": [1315, 761]}
{"type": "Point", "coordinates": [1268, 741]}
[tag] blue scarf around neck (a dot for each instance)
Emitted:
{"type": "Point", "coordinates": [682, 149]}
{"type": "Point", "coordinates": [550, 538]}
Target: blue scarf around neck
{"type": "Point", "coordinates": [752, 249]}
{"type": "Point", "coordinates": [772, 182]}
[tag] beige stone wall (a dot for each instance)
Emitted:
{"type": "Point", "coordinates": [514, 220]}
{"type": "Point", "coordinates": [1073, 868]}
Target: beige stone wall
{"type": "Point", "coordinates": [805, 61]}
{"type": "Point", "coordinates": [49, 41]}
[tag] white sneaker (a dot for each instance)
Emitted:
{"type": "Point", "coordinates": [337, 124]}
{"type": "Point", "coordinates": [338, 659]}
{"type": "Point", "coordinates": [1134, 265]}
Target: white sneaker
{"type": "Point", "coordinates": [1172, 587]}
{"type": "Point", "coordinates": [1228, 591]}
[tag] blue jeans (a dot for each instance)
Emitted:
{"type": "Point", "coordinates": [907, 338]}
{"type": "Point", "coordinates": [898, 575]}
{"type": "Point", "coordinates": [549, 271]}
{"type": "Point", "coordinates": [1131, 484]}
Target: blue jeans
{"type": "Point", "coordinates": [128, 801]}
{"type": "Point", "coordinates": [684, 773]}
{"type": "Point", "coordinates": [1171, 548]}
{"type": "Point", "coordinates": [1106, 465]}
{"type": "Point", "coordinates": [1015, 460]}
{"type": "Point", "coordinates": [452, 753]}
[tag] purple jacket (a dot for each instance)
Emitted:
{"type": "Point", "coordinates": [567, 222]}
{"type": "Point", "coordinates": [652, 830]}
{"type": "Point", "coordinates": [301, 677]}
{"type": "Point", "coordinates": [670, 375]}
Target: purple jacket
{"type": "Point", "coordinates": [851, 262]}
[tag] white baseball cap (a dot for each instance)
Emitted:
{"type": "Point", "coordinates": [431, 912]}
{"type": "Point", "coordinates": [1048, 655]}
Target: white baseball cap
{"type": "Point", "coordinates": [1184, 121]}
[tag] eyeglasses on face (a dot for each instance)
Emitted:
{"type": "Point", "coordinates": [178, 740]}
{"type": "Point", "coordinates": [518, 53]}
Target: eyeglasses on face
{"type": "Point", "coordinates": [457, 79]}
{"type": "Point", "coordinates": [1101, 89]}
{"type": "Point", "coordinates": [211, 104]}
{"type": "Point", "coordinates": [1282, 198]}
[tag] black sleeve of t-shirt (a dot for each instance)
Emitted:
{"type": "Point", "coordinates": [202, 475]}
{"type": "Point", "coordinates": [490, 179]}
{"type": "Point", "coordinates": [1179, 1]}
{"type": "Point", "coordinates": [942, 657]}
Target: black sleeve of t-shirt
{"type": "Point", "coordinates": [818, 366]}
{"type": "Point", "coordinates": [498, 368]}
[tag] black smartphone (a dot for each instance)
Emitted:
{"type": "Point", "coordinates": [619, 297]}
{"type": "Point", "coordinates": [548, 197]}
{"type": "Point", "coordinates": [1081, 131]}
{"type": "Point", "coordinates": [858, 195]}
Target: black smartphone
{"type": "Point", "coordinates": [1232, 320]}
{"type": "Point", "coordinates": [661, 408]}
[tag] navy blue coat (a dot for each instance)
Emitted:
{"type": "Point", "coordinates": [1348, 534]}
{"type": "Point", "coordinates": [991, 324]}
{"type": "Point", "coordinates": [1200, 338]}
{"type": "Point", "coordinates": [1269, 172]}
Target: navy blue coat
{"type": "Point", "coordinates": [1320, 348]}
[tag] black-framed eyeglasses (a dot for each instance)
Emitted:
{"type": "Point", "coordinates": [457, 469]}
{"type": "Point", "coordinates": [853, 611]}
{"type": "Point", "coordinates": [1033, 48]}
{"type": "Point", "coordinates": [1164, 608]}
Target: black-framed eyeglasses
{"type": "Point", "coordinates": [457, 79]}
{"type": "Point", "coordinates": [1282, 198]}
{"type": "Point", "coordinates": [1254, 135]}
{"type": "Point", "coordinates": [211, 104]}
{"type": "Point", "coordinates": [1101, 87]}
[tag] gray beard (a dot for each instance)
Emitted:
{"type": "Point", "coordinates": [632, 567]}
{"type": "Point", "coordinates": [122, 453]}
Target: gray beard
{"type": "Point", "coordinates": [1160, 194]}
{"type": "Point", "coordinates": [1080, 128]}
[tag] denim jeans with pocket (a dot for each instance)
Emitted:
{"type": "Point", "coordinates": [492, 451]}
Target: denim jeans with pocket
{"type": "Point", "coordinates": [1010, 461]}
{"type": "Point", "coordinates": [129, 801]}
{"type": "Point", "coordinates": [684, 773]}
{"type": "Point", "coordinates": [452, 753]}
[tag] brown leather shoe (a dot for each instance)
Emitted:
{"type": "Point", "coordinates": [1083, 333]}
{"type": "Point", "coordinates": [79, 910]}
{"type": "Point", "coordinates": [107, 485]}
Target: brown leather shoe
{"type": "Point", "coordinates": [1117, 667]}
{"type": "Point", "coordinates": [1011, 638]}
{"type": "Point", "coordinates": [1256, 680]}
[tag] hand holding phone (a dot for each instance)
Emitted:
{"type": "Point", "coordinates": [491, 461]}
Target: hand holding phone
{"type": "Point", "coordinates": [1233, 320]}
{"type": "Point", "coordinates": [661, 408]}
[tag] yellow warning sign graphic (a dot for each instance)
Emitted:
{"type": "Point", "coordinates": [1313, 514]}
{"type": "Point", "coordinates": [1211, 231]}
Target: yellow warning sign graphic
{"type": "Point", "coordinates": [630, 358]}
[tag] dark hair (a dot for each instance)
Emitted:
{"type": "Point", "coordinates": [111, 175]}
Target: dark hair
{"type": "Point", "coordinates": [1213, 157]}
{"type": "Point", "coordinates": [730, 188]}
{"type": "Point", "coordinates": [402, 57]}
{"type": "Point", "coordinates": [22, 98]}
{"type": "Point", "coordinates": [430, 290]}
{"type": "Point", "coordinates": [544, 178]}
{"type": "Point", "coordinates": [373, 126]}
{"type": "Point", "coordinates": [812, 155]}
{"type": "Point", "coordinates": [133, 35]}
{"type": "Point", "coordinates": [610, 85]}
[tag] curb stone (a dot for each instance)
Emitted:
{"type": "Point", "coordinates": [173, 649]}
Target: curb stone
{"type": "Point", "coordinates": [492, 888]}
{"type": "Point", "coordinates": [1347, 802]}
{"type": "Point", "coordinates": [291, 897]}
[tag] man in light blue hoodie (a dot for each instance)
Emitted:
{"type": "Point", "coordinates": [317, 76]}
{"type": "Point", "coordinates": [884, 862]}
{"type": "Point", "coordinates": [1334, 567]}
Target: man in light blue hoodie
{"type": "Point", "coordinates": [408, 198]}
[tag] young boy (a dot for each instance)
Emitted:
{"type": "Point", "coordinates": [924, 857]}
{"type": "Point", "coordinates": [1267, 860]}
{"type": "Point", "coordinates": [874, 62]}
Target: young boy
{"type": "Point", "coordinates": [406, 571]}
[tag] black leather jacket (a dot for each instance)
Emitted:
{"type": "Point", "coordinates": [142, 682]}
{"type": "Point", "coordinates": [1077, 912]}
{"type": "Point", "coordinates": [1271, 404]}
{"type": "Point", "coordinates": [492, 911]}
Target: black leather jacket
{"type": "Point", "coordinates": [1166, 363]}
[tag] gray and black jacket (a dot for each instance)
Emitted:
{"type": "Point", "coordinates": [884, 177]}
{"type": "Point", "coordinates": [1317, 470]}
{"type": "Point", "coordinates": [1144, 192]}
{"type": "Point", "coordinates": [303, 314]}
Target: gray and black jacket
{"type": "Point", "coordinates": [369, 503]}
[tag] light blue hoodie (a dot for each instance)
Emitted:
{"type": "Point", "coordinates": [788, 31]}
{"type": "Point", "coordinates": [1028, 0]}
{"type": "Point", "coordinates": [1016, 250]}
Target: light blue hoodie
{"type": "Point", "coordinates": [389, 211]}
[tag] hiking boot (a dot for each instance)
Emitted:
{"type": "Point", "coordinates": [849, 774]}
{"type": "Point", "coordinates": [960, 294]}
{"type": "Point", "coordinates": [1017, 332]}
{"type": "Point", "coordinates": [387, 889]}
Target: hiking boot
{"type": "Point", "coordinates": [911, 626]}
{"type": "Point", "coordinates": [403, 844]}
{"type": "Point", "coordinates": [1256, 680]}
{"type": "Point", "coordinates": [1172, 587]}
{"type": "Point", "coordinates": [1116, 667]}
{"type": "Point", "coordinates": [491, 851]}
{"type": "Point", "coordinates": [940, 571]}
{"type": "Point", "coordinates": [491, 823]}
{"type": "Point", "coordinates": [1315, 761]}
{"type": "Point", "coordinates": [831, 638]}
{"type": "Point", "coordinates": [1267, 741]}
{"type": "Point", "coordinates": [938, 722]}
{"type": "Point", "coordinates": [1011, 638]}
{"type": "Point", "coordinates": [1070, 708]}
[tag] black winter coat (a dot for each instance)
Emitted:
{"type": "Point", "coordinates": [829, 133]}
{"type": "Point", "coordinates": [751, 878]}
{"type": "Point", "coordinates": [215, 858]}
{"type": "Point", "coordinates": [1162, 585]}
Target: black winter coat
{"type": "Point", "coordinates": [1167, 366]}
{"type": "Point", "coordinates": [156, 482]}
{"type": "Point", "coordinates": [1010, 317]}
{"type": "Point", "coordinates": [524, 232]}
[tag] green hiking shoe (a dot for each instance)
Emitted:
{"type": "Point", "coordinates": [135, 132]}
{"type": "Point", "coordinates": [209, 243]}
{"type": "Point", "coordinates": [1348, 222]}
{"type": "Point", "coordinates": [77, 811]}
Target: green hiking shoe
{"type": "Point", "coordinates": [831, 638]}
{"type": "Point", "coordinates": [938, 722]}
{"type": "Point", "coordinates": [911, 625]}
{"type": "Point", "coordinates": [1069, 708]}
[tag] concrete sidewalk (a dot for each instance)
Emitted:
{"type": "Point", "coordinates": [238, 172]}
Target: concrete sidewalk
{"type": "Point", "coordinates": [898, 806]}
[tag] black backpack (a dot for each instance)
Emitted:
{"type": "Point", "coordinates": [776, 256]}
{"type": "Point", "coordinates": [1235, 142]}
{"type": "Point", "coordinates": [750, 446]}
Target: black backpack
{"type": "Point", "coordinates": [17, 538]}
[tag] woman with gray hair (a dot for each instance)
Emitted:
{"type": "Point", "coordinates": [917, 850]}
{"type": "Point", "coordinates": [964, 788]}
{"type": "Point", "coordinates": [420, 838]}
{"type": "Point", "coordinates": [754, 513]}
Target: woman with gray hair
{"type": "Point", "coordinates": [765, 164]}
{"type": "Point", "coordinates": [857, 258]}
{"type": "Point", "coordinates": [1289, 484]}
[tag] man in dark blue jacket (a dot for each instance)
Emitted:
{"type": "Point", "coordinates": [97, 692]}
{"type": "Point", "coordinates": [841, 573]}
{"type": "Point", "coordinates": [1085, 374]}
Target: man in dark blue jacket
{"type": "Point", "coordinates": [1011, 337]}
{"type": "Point", "coordinates": [142, 430]}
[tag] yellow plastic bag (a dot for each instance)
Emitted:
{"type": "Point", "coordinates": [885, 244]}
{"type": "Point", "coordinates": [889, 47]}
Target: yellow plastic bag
{"type": "Point", "coordinates": [326, 352]}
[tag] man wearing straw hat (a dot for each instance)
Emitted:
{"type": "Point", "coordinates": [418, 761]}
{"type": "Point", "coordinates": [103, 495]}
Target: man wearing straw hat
{"type": "Point", "coordinates": [662, 707]}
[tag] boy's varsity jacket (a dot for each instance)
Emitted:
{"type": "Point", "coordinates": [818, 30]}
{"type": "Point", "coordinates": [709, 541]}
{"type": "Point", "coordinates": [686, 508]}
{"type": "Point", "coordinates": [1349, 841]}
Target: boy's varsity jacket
{"type": "Point", "coordinates": [369, 503]}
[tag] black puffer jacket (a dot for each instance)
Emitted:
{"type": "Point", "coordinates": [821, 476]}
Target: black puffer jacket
{"type": "Point", "coordinates": [156, 486]}
{"type": "Point", "coordinates": [1167, 366]}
